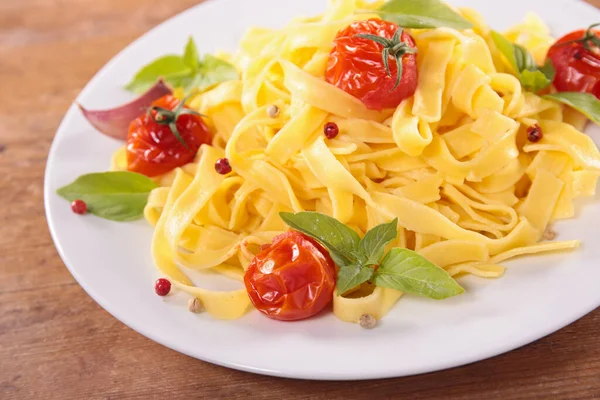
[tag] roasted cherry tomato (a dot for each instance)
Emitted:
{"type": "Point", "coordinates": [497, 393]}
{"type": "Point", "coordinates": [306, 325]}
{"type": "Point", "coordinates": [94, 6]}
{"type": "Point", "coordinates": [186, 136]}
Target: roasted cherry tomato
{"type": "Point", "coordinates": [291, 279]}
{"type": "Point", "coordinates": [166, 137]}
{"type": "Point", "coordinates": [365, 62]}
{"type": "Point", "coordinates": [576, 59]}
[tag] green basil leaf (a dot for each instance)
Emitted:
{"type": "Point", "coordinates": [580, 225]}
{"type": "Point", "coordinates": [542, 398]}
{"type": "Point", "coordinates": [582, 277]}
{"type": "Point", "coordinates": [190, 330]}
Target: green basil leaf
{"type": "Point", "coordinates": [523, 58]}
{"type": "Point", "coordinates": [422, 14]}
{"type": "Point", "coordinates": [506, 48]}
{"type": "Point", "coordinates": [339, 239]}
{"type": "Point", "coordinates": [548, 70]}
{"type": "Point", "coordinates": [518, 56]}
{"type": "Point", "coordinates": [170, 68]}
{"type": "Point", "coordinates": [532, 77]}
{"type": "Point", "coordinates": [538, 77]}
{"type": "Point", "coordinates": [188, 71]}
{"type": "Point", "coordinates": [408, 271]}
{"type": "Point", "coordinates": [585, 103]}
{"type": "Point", "coordinates": [117, 195]}
{"type": "Point", "coordinates": [190, 55]}
{"type": "Point", "coordinates": [351, 276]}
{"type": "Point", "coordinates": [535, 80]}
{"type": "Point", "coordinates": [372, 245]}
{"type": "Point", "coordinates": [212, 71]}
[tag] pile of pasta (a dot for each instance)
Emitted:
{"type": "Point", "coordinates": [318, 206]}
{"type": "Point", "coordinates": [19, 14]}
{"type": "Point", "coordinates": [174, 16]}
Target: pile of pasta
{"type": "Point", "coordinates": [452, 163]}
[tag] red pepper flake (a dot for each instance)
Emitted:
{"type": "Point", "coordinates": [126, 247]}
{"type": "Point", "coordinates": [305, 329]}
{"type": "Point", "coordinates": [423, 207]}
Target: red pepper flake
{"type": "Point", "coordinates": [78, 207]}
{"type": "Point", "coordinates": [534, 133]}
{"type": "Point", "coordinates": [222, 166]}
{"type": "Point", "coordinates": [162, 286]}
{"type": "Point", "coordinates": [331, 130]}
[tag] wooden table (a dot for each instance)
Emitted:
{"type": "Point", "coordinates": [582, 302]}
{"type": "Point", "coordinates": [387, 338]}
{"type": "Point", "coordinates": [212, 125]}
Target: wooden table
{"type": "Point", "coordinates": [56, 342]}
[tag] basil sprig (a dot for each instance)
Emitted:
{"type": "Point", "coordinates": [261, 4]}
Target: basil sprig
{"type": "Point", "coordinates": [116, 195]}
{"type": "Point", "coordinates": [422, 14]}
{"type": "Point", "coordinates": [586, 103]}
{"type": "Point", "coordinates": [188, 71]}
{"type": "Point", "coordinates": [407, 271]}
{"type": "Point", "coordinates": [399, 269]}
{"type": "Point", "coordinates": [532, 77]}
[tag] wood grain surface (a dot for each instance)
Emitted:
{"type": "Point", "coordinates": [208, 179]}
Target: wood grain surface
{"type": "Point", "coordinates": [56, 342]}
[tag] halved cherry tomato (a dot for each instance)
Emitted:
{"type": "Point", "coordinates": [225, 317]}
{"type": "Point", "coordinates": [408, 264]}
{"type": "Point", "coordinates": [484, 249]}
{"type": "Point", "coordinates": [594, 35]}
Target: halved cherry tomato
{"type": "Point", "coordinates": [576, 59]}
{"type": "Point", "coordinates": [291, 279]}
{"type": "Point", "coordinates": [152, 146]}
{"type": "Point", "coordinates": [356, 63]}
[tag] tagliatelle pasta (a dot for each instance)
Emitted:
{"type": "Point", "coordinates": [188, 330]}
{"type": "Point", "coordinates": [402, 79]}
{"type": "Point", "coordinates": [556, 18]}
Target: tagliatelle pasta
{"type": "Point", "coordinates": [451, 163]}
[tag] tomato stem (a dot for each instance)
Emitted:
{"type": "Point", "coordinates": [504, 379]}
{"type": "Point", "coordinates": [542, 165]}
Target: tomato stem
{"type": "Point", "coordinates": [588, 40]}
{"type": "Point", "coordinates": [394, 47]}
{"type": "Point", "coordinates": [164, 116]}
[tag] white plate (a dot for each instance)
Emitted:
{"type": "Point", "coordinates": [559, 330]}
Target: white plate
{"type": "Point", "coordinates": [112, 262]}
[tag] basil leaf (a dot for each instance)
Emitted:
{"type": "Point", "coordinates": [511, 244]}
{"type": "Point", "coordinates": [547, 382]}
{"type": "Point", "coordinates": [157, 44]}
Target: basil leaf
{"type": "Point", "coordinates": [585, 103]}
{"type": "Point", "coordinates": [506, 48]}
{"type": "Point", "coordinates": [211, 71]}
{"type": "Point", "coordinates": [351, 276]}
{"type": "Point", "coordinates": [536, 80]}
{"type": "Point", "coordinates": [339, 239]}
{"type": "Point", "coordinates": [372, 245]}
{"type": "Point", "coordinates": [532, 77]}
{"type": "Point", "coordinates": [190, 54]}
{"type": "Point", "coordinates": [422, 14]}
{"type": "Point", "coordinates": [117, 196]}
{"type": "Point", "coordinates": [188, 71]}
{"type": "Point", "coordinates": [548, 70]}
{"type": "Point", "coordinates": [409, 272]}
{"type": "Point", "coordinates": [518, 56]}
{"type": "Point", "coordinates": [170, 68]}
{"type": "Point", "coordinates": [523, 58]}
